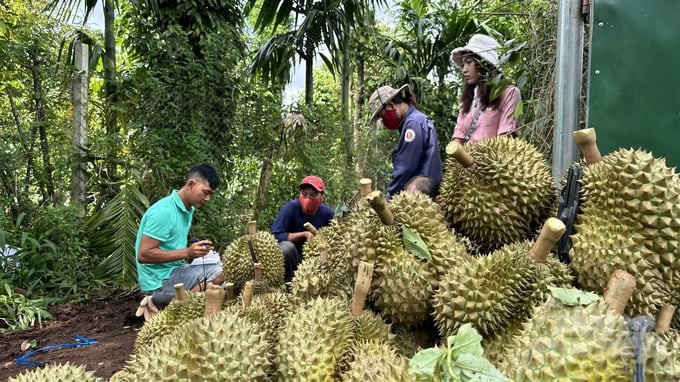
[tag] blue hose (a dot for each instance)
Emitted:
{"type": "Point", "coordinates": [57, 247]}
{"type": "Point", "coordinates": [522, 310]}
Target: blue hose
{"type": "Point", "coordinates": [80, 341]}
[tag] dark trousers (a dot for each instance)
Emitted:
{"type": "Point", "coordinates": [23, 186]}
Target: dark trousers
{"type": "Point", "coordinates": [291, 258]}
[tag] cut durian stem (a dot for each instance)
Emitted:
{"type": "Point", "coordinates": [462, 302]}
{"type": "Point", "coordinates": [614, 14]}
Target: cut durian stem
{"type": "Point", "coordinates": [258, 269]}
{"type": "Point", "coordinates": [252, 227]}
{"type": "Point", "coordinates": [620, 287]}
{"type": "Point", "coordinates": [180, 291]}
{"type": "Point", "coordinates": [552, 231]}
{"type": "Point", "coordinates": [365, 187]}
{"type": "Point", "coordinates": [229, 291]}
{"type": "Point", "coordinates": [377, 201]}
{"type": "Point", "coordinates": [456, 150]}
{"type": "Point", "coordinates": [587, 143]}
{"type": "Point", "coordinates": [247, 294]}
{"type": "Point", "coordinates": [361, 288]}
{"type": "Point", "coordinates": [310, 227]}
{"type": "Point", "coordinates": [214, 296]}
{"type": "Point", "coordinates": [664, 318]}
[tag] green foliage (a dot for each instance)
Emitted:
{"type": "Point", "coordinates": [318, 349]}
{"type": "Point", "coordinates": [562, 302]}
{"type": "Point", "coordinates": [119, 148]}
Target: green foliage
{"type": "Point", "coordinates": [461, 360]}
{"type": "Point", "coordinates": [19, 313]}
{"type": "Point", "coordinates": [414, 243]}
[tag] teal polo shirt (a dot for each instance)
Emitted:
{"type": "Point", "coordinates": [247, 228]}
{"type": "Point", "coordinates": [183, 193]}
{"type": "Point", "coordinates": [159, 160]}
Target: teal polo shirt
{"type": "Point", "coordinates": [167, 221]}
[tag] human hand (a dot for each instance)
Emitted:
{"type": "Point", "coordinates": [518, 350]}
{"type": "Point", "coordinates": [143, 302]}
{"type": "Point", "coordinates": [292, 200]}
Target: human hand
{"type": "Point", "coordinates": [199, 248]}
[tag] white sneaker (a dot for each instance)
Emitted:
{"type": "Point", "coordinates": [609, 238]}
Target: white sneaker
{"type": "Point", "coordinates": [146, 308]}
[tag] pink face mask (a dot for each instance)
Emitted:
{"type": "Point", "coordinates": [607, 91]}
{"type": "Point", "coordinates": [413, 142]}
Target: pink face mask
{"type": "Point", "coordinates": [309, 205]}
{"type": "Point", "coordinates": [390, 119]}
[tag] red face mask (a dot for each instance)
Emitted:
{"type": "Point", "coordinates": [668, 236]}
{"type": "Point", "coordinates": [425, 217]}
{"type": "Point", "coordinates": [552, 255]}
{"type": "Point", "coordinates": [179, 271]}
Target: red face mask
{"type": "Point", "coordinates": [309, 205]}
{"type": "Point", "coordinates": [390, 119]}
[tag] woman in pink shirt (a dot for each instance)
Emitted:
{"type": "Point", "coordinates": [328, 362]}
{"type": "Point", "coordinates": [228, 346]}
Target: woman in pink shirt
{"type": "Point", "coordinates": [483, 114]}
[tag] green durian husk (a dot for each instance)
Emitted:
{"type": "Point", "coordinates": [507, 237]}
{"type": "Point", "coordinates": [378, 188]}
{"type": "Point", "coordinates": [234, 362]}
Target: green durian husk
{"type": "Point", "coordinates": [223, 346]}
{"type": "Point", "coordinates": [561, 343]}
{"type": "Point", "coordinates": [315, 340]}
{"type": "Point", "coordinates": [237, 261]}
{"type": "Point", "coordinates": [65, 372]}
{"type": "Point", "coordinates": [488, 293]}
{"type": "Point", "coordinates": [629, 219]}
{"type": "Point", "coordinates": [317, 277]}
{"type": "Point", "coordinates": [377, 361]}
{"type": "Point", "coordinates": [662, 356]}
{"type": "Point", "coordinates": [503, 197]}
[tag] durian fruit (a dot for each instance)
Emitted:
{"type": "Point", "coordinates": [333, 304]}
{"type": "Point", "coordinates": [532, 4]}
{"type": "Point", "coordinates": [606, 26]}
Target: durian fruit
{"type": "Point", "coordinates": [499, 192]}
{"type": "Point", "coordinates": [377, 361]}
{"type": "Point", "coordinates": [420, 214]}
{"type": "Point", "coordinates": [237, 262]}
{"type": "Point", "coordinates": [321, 276]}
{"type": "Point", "coordinates": [220, 347]}
{"type": "Point", "coordinates": [65, 372]}
{"type": "Point", "coordinates": [662, 356]}
{"type": "Point", "coordinates": [314, 341]}
{"type": "Point", "coordinates": [370, 326]}
{"type": "Point", "coordinates": [629, 219]}
{"type": "Point", "coordinates": [561, 343]}
{"type": "Point", "coordinates": [487, 292]}
{"type": "Point", "coordinates": [493, 291]}
{"type": "Point", "coordinates": [170, 318]}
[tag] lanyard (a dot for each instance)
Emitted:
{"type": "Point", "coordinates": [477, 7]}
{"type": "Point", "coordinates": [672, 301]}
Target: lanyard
{"type": "Point", "coordinates": [474, 124]}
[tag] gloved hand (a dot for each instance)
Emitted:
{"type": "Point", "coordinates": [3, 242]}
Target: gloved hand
{"type": "Point", "coordinates": [146, 308]}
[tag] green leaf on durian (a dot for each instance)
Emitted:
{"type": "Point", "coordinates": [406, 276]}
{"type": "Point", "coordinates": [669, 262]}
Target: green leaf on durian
{"type": "Point", "coordinates": [466, 341]}
{"type": "Point", "coordinates": [424, 363]}
{"type": "Point", "coordinates": [470, 367]}
{"type": "Point", "coordinates": [415, 244]}
{"type": "Point", "coordinates": [573, 296]}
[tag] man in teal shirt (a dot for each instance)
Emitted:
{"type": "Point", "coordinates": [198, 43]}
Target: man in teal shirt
{"type": "Point", "coordinates": [163, 257]}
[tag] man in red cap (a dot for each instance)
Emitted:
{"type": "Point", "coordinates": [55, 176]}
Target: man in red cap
{"type": "Point", "coordinates": [288, 228]}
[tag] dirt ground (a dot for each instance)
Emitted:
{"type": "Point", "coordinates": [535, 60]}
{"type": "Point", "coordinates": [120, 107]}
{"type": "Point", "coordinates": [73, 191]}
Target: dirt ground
{"type": "Point", "coordinates": [112, 324]}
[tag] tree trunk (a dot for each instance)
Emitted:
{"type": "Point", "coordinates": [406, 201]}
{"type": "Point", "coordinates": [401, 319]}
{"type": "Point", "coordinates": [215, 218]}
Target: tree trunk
{"type": "Point", "coordinates": [358, 109]}
{"type": "Point", "coordinates": [309, 74]}
{"type": "Point", "coordinates": [109, 63]}
{"type": "Point", "coordinates": [346, 123]}
{"type": "Point", "coordinates": [39, 122]}
{"type": "Point", "coordinates": [265, 180]}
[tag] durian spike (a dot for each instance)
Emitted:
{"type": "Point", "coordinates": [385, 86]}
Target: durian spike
{"type": "Point", "coordinates": [587, 143]}
{"type": "Point", "coordinates": [664, 318]}
{"type": "Point", "coordinates": [552, 231]}
{"type": "Point", "coordinates": [180, 291]}
{"type": "Point", "coordinates": [620, 287]}
{"type": "Point", "coordinates": [310, 227]}
{"type": "Point", "coordinates": [361, 288]}
{"type": "Point", "coordinates": [258, 268]}
{"type": "Point", "coordinates": [377, 200]}
{"type": "Point", "coordinates": [323, 252]}
{"type": "Point", "coordinates": [214, 297]}
{"type": "Point", "coordinates": [458, 152]}
{"type": "Point", "coordinates": [252, 227]}
{"type": "Point", "coordinates": [229, 291]}
{"type": "Point", "coordinates": [247, 294]}
{"type": "Point", "coordinates": [365, 187]}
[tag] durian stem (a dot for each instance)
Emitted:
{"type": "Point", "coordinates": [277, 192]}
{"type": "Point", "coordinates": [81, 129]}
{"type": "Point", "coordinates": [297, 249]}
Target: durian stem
{"type": "Point", "coordinates": [214, 297]}
{"type": "Point", "coordinates": [310, 227]}
{"type": "Point", "coordinates": [180, 291]}
{"type": "Point", "coordinates": [377, 200]}
{"type": "Point", "coordinates": [619, 288]}
{"type": "Point", "coordinates": [365, 187]}
{"type": "Point", "coordinates": [552, 230]}
{"type": "Point", "coordinates": [458, 152]}
{"type": "Point", "coordinates": [229, 291]}
{"type": "Point", "coordinates": [258, 268]}
{"type": "Point", "coordinates": [664, 318]}
{"type": "Point", "coordinates": [361, 288]}
{"type": "Point", "coordinates": [252, 227]}
{"type": "Point", "coordinates": [587, 143]}
{"type": "Point", "coordinates": [247, 294]}
{"type": "Point", "coordinates": [323, 252]}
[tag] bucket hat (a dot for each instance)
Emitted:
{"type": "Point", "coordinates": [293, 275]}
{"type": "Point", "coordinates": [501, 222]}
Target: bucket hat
{"type": "Point", "coordinates": [382, 96]}
{"type": "Point", "coordinates": [482, 45]}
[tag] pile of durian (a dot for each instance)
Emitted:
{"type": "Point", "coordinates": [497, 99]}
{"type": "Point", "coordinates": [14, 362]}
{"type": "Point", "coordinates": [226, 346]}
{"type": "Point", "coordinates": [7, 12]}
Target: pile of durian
{"type": "Point", "coordinates": [391, 279]}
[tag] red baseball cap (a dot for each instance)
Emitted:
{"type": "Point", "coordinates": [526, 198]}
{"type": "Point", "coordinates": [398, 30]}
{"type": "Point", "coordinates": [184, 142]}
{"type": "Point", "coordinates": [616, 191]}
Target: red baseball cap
{"type": "Point", "coordinates": [313, 181]}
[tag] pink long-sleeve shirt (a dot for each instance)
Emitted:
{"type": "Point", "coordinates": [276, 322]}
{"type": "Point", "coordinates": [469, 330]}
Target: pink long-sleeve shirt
{"type": "Point", "coordinates": [492, 122]}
